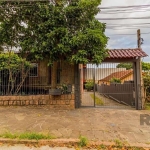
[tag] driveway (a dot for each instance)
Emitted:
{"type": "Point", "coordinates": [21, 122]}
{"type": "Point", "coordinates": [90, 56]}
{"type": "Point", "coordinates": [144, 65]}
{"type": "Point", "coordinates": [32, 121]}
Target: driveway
{"type": "Point", "coordinates": [87, 100]}
{"type": "Point", "coordinates": [100, 124]}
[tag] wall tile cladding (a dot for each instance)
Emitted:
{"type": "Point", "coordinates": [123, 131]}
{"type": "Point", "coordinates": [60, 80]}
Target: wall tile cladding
{"type": "Point", "coordinates": [60, 101]}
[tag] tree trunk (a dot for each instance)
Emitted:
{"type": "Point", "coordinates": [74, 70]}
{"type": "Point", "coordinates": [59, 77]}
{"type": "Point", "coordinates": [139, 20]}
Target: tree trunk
{"type": "Point", "coordinates": [24, 75]}
{"type": "Point", "coordinates": [54, 75]}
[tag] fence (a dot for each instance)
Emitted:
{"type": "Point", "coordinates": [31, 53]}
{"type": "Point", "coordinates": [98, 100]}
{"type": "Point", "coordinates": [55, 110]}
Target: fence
{"type": "Point", "coordinates": [30, 86]}
{"type": "Point", "coordinates": [34, 78]}
{"type": "Point", "coordinates": [35, 91]}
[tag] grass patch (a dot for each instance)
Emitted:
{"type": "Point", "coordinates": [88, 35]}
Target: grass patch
{"type": "Point", "coordinates": [26, 135]}
{"type": "Point", "coordinates": [147, 106]}
{"type": "Point", "coordinates": [102, 146]}
{"type": "Point", "coordinates": [98, 101]}
{"type": "Point", "coordinates": [83, 141]}
{"type": "Point", "coordinates": [147, 143]}
{"type": "Point", "coordinates": [118, 143]}
{"type": "Point", "coordinates": [9, 135]}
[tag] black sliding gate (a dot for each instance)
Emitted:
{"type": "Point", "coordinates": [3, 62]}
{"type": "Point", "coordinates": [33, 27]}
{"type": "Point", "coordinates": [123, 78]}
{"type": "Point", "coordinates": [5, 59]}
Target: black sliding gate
{"type": "Point", "coordinates": [107, 85]}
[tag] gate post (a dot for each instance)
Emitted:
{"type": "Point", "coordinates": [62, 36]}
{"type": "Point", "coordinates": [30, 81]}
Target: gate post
{"type": "Point", "coordinates": [77, 86]}
{"type": "Point", "coordinates": [138, 84]}
{"type": "Point", "coordinates": [94, 85]}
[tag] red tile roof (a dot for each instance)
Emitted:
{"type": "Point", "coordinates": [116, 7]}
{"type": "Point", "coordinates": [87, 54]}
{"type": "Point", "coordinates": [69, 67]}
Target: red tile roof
{"type": "Point", "coordinates": [119, 75]}
{"type": "Point", "coordinates": [126, 53]}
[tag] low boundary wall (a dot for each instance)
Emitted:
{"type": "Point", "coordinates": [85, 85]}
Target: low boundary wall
{"type": "Point", "coordinates": [65, 101]}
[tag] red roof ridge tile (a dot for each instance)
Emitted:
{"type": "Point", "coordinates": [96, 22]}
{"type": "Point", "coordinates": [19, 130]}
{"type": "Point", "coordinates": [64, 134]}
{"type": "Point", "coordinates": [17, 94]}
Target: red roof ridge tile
{"type": "Point", "coordinates": [126, 53]}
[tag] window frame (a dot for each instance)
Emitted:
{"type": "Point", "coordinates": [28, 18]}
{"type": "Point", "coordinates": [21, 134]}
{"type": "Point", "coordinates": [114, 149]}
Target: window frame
{"type": "Point", "coordinates": [37, 65]}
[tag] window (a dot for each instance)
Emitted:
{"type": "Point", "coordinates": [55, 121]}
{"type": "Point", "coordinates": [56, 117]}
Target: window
{"type": "Point", "coordinates": [33, 70]}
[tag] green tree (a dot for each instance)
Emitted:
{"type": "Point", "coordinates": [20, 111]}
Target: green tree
{"type": "Point", "coordinates": [125, 65]}
{"type": "Point", "coordinates": [13, 67]}
{"type": "Point", "coordinates": [146, 80]}
{"type": "Point", "coordinates": [58, 29]}
{"type": "Point", "coordinates": [145, 66]}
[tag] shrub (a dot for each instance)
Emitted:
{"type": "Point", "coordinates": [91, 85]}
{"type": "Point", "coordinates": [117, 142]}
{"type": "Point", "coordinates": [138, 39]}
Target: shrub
{"type": "Point", "coordinates": [89, 85]}
{"type": "Point", "coordinates": [115, 80]}
{"type": "Point", "coordinates": [83, 141]}
{"type": "Point", "coordinates": [146, 80]}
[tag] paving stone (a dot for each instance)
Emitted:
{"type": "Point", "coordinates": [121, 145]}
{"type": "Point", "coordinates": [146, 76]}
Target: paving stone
{"type": "Point", "coordinates": [130, 137]}
{"type": "Point", "coordinates": [90, 135]}
{"type": "Point", "coordinates": [20, 116]}
{"type": "Point", "coordinates": [94, 123]}
{"type": "Point", "coordinates": [138, 137]}
{"type": "Point", "coordinates": [75, 134]}
{"type": "Point", "coordinates": [65, 132]}
{"type": "Point", "coordinates": [56, 133]}
{"type": "Point", "coordinates": [99, 135]}
{"type": "Point", "coordinates": [109, 136]}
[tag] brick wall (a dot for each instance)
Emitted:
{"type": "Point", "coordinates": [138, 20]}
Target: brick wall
{"type": "Point", "coordinates": [67, 73]}
{"type": "Point", "coordinates": [60, 101]}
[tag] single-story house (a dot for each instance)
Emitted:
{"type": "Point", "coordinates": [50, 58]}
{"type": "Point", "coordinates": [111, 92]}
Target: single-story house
{"type": "Point", "coordinates": [40, 74]}
{"type": "Point", "coordinates": [70, 75]}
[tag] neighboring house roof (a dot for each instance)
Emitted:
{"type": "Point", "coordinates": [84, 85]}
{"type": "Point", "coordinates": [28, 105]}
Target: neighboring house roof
{"type": "Point", "coordinates": [126, 53]}
{"type": "Point", "coordinates": [119, 75]}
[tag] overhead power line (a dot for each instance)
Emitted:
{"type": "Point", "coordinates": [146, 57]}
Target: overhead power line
{"type": "Point", "coordinates": [131, 6]}
{"type": "Point", "coordinates": [123, 11]}
{"type": "Point", "coordinates": [147, 17]}
{"type": "Point", "coordinates": [132, 24]}
{"type": "Point", "coordinates": [128, 34]}
{"type": "Point", "coordinates": [127, 27]}
{"type": "Point", "coordinates": [122, 29]}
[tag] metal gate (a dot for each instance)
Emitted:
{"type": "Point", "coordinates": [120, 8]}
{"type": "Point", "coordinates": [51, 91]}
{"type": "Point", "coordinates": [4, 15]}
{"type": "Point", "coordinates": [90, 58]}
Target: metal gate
{"type": "Point", "coordinates": [108, 85]}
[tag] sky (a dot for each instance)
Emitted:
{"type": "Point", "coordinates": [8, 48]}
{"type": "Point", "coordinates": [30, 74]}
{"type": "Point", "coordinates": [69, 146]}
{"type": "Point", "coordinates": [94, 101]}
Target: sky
{"type": "Point", "coordinates": [118, 41]}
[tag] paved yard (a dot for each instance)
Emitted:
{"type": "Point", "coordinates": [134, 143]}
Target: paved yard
{"type": "Point", "coordinates": [88, 101]}
{"type": "Point", "coordinates": [94, 123]}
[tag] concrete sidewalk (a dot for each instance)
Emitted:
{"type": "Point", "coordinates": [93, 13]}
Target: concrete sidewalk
{"type": "Point", "coordinates": [100, 124]}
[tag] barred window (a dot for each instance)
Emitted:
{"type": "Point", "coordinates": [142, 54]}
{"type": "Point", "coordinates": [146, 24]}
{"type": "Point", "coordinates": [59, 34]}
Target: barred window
{"type": "Point", "coordinates": [34, 70]}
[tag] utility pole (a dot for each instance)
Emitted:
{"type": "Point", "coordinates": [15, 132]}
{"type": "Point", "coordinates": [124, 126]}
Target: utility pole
{"type": "Point", "coordinates": [139, 38]}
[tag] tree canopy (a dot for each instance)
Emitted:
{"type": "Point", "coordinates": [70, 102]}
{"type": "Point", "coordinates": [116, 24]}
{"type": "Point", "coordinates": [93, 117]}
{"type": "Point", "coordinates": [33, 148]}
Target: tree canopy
{"type": "Point", "coordinates": [145, 66]}
{"type": "Point", "coordinates": [56, 29]}
{"type": "Point", "coordinates": [12, 67]}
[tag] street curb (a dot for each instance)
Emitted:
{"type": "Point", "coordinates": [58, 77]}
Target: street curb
{"type": "Point", "coordinates": [65, 142]}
